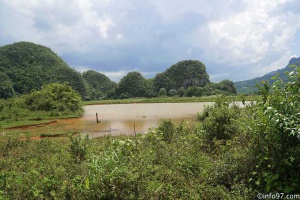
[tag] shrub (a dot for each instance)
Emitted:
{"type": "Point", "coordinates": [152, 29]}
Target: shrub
{"type": "Point", "coordinates": [79, 147]}
{"type": "Point", "coordinates": [219, 120]}
{"type": "Point", "coordinates": [167, 128]}
{"type": "Point", "coordinates": [275, 131]}
{"type": "Point", "coordinates": [54, 97]}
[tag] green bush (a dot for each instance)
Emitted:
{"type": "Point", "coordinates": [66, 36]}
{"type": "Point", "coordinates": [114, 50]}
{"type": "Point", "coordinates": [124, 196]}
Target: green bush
{"type": "Point", "coordinates": [79, 147]}
{"type": "Point", "coordinates": [54, 97]}
{"type": "Point", "coordinates": [219, 120]}
{"type": "Point", "coordinates": [275, 130]}
{"type": "Point", "coordinates": [167, 129]}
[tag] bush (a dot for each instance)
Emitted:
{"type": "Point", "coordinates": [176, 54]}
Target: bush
{"type": "Point", "coordinates": [219, 120]}
{"type": "Point", "coordinates": [79, 147]}
{"type": "Point", "coordinates": [54, 97]}
{"type": "Point", "coordinates": [275, 130]}
{"type": "Point", "coordinates": [167, 129]}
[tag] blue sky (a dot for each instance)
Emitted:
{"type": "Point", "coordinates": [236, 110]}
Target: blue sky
{"type": "Point", "coordinates": [235, 39]}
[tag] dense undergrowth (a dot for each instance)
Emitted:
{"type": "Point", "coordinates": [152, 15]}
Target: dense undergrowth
{"type": "Point", "coordinates": [51, 102]}
{"type": "Point", "coordinates": [229, 153]}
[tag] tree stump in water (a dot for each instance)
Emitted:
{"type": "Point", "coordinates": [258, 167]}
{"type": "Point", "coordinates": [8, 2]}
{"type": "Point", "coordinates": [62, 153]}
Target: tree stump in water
{"type": "Point", "coordinates": [97, 118]}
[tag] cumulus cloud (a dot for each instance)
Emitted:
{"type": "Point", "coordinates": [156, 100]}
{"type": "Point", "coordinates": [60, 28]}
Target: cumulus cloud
{"type": "Point", "coordinates": [119, 36]}
{"type": "Point", "coordinates": [259, 35]}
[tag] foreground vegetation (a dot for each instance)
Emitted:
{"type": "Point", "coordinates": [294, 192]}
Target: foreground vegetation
{"type": "Point", "coordinates": [229, 153]}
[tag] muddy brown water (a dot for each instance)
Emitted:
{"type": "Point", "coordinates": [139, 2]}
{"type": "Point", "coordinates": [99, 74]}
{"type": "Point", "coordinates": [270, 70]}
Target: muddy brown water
{"type": "Point", "coordinates": [126, 119]}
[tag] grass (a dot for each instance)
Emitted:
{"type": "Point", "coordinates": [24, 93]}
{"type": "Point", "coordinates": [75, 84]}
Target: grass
{"type": "Point", "coordinates": [25, 121]}
{"type": "Point", "coordinates": [40, 129]}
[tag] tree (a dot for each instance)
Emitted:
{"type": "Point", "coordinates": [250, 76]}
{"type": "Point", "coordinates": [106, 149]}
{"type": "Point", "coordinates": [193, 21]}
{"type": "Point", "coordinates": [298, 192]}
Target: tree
{"type": "Point", "coordinates": [181, 91]}
{"type": "Point", "coordinates": [192, 91]}
{"type": "Point", "coordinates": [132, 85]}
{"type": "Point", "coordinates": [172, 92]}
{"type": "Point", "coordinates": [150, 91]}
{"type": "Point", "coordinates": [54, 97]}
{"type": "Point", "coordinates": [227, 85]}
{"type": "Point", "coordinates": [6, 87]}
{"type": "Point", "coordinates": [162, 92]}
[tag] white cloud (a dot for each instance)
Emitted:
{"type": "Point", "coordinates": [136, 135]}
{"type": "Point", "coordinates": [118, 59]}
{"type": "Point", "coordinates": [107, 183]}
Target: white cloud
{"type": "Point", "coordinates": [189, 51]}
{"type": "Point", "coordinates": [251, 35]}
{"type": "Point", "coordinates": [104, 26]}
{"type": "Point", "coordinates": [118, 75]}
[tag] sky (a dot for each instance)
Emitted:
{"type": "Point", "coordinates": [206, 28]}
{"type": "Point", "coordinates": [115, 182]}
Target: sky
{"type": "Point", "coordinates": [235, 39]}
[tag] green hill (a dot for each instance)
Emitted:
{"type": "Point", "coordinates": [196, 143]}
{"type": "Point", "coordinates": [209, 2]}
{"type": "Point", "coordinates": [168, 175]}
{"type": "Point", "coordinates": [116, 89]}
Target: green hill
{"type": "Point", "coordinates": [182, 74]}
{"type": "Point", "coordinates": [26, 66]}
{"type": "Point", "coordinates": [189, 77]}
{"type": "Point", "coordinates": [249, 86]}
{"type": "Point", "coordinates": [99, 84]}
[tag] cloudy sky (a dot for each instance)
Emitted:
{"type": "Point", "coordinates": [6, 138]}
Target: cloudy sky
{"type": "Point", "coordinates": [235, 39]}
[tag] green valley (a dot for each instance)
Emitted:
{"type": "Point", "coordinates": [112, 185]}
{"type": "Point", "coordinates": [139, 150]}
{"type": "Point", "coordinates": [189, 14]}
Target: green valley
{"type": "Point", "coordinates": [225, 151]}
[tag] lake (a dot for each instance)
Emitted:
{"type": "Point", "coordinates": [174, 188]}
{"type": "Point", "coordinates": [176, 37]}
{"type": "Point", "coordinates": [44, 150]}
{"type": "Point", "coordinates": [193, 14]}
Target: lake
{"type": "Point", "coordinates": [126, 119]}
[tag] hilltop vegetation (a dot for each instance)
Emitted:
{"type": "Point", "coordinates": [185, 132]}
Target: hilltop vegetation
{"type": "Point", "coordinates": [249, 86]}
{"type": "Point", "coordinates": [185, 78]}
{"type": "Point", "coordinates": [99, 85]}
{"type": "Point", "coordinates": [26, 66]}
{"type": "Point", "coordinates": [182, 74]}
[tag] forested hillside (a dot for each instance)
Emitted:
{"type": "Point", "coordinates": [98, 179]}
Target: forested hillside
{"type": "Point", "coordinates": [182, 74]}
{"type": "Point", "coordinates": [98, 84]}
{"type": "Point", "coordinates": [25, 66]}
{"type": "Point", "coordinates": [249, 86]}
{"type": "Point", "coordinates": [189, 78]}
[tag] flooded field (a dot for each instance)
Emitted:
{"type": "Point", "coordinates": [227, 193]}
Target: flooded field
{"type": "Point", "coordinates": [117, 119]}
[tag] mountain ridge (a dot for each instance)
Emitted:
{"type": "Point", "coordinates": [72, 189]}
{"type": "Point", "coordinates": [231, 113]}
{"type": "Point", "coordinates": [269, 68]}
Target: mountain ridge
{"type": "Point", "coordinates": [249, 86]}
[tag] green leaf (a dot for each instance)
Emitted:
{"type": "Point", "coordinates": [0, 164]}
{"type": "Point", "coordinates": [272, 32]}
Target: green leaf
{"type": "Point", "coordinates": [288, 189]}
{"type": "Point", "coordinates": [257, 182]}
{"type": "Point", "coordinates": [87, 183]}
{"type": "Point", "coordinates": [275, 177]}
